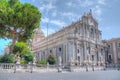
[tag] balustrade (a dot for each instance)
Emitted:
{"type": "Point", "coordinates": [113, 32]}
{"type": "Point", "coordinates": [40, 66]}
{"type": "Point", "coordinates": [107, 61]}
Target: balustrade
{"type": "Point", "coordinates": [6, 66]}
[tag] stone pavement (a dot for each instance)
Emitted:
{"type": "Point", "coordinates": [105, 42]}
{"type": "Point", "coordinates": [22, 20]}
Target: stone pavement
{"type": "Point", "coordinates": [96, 75]}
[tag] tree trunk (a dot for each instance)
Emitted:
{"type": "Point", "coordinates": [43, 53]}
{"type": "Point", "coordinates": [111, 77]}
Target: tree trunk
{"type": "Point", "coordinates": [12, 46]}
{"type": "Point", "coordinates": [14, 39]}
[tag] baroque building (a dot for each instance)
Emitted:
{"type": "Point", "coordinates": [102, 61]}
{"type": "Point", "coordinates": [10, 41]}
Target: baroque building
{"type": "Point", "coordinates": [113, 52]}
{"type": "Point", "coordinates": [79, 43]}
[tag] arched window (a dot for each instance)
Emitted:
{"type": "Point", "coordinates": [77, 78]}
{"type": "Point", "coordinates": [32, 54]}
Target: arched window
{"type": "Point", "coordinates": [50, 51]}
{"type": "Point", "coordinates": [92, 57]}
{"type": "Point", "coordinates": [118, 44]}
{"type": "Point", "coordinates": [91, 30]}
{"type": "Point", "coordinates": [109, 46]}
{"type": "Point", "coordinates": [109, 57]}
{"type": "Point", "coordinates": [60, 49]}
{"type": "Point", "coordinates": [78, 50]}
{"type": "Point", "coordinates": [101, 51]}
{"type": "Point", "coordinates": [88, 49]}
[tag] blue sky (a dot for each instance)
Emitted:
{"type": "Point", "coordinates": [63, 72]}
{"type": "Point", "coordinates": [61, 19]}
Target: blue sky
{"type": "Point", "coordinates": [59, 13]}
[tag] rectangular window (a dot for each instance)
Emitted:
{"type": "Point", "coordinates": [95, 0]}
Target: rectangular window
{"type": "Point", "coordinates": [78, 50]}
{"type": "Point", "coordinates": [92, 57]}
{"type": "Point", "coordinates": [50, 51]}
{"type": "Point", "coordinates": [109, 46]}
{"type": "Point", "coordinates": [96, 45]}
{"type": "Point", "coordinates": [60, 49]}
{"type": "Point", "coordinates": [109, 57]}
{"type": "Point", "coordinates": [118, 44]}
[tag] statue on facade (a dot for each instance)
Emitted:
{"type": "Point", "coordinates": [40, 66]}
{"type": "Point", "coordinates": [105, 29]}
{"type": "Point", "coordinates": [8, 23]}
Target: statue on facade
{"type": "Point", "coordinates": [34, 61]}
{"type": "Point", "coordinates": [60, 61]}
{"type": "Point", "coordinates": [18, 60]}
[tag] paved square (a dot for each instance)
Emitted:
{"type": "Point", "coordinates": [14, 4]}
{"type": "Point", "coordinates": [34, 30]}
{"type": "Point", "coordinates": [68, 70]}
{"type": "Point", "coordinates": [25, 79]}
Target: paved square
{"type": "Point", "coordinates": [97, 75]}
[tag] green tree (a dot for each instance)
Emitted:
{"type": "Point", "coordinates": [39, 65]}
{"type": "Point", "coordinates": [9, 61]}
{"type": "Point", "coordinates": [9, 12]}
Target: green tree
{"type": "Point", "coordinates": [8, 58]}
{"type": "Point", "coordinates": [27, 55]}
{"type": "Point", "coordinates": [51, 59]}
{"type": "Point", "coordinates": [19, 47]}
{"type": "Point", "coordinates": [18, 21]}
{"type": "Point", "coordinates": [22, 50]}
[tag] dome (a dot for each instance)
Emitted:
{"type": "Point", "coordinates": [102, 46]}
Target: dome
{"type": "Point", "coordinates": [39, 35]}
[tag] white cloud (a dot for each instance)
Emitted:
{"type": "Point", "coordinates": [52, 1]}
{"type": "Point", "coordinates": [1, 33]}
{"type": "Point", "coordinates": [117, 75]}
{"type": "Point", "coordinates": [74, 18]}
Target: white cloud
{"type": "Point", "coordinates": [45, 20]}
{"type": "Point", "coordinates": [71, 4]}
{"type": "Point", "coordinates": [97, 10]}
{"type": "Point", "coordinates": [47, 6]}
{"type": "Point", "coordinates": [33, 0]}
{"type": "Point", "coordinates": [50, 31]}
{"type": "Point", "coordinates": [77, 3]}
{"type": "Point", "coordinates": [102, 2]}
{"type": "Point", "coordinates": [54, 13]}
{"type": "Point", "coordinates": [71, 16]}
{"type": "Point", "coordinates": [55, 22]}
{"type": "Point", "coordinates": [108, 28]}
{"type": "Point", "coordinates": [58, 23]}
{"type": "Point", "coordinates": [68, 14]}
{"type": "Point", "coordinates": [86, 3]}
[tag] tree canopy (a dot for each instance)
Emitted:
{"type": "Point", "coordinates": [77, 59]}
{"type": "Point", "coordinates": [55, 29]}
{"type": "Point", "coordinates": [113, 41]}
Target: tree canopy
{"type": "Point", "coordinates": [7, 59]}
{"type": "Point", "coordinates": [19, 48]}
{"type": "Point", "coordinates": [18, 20]}
{"type": "Point", "coordinates": [22, 50]}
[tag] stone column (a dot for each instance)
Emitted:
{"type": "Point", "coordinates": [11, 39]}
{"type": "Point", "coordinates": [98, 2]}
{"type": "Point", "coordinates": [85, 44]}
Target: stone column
{"type": "Point", "coordinates": [74, 49]}
{"type": "Point", "coordinates": [39, 56]}
{"type": "Point", "coordinates": [66, 52]}
{"type": "Point", "coordinates": [83, 30]}
{"type": "Point", "coordinates": [81, 54]}
{"type": "Point", "coordinates": [88, 31]}
{"type": "Point", "coordinates": [94, 34]}
{"type": "Point", "coordinates": [70, 50]}
{"type": "Point", "coordinates": [114, 53]}
{"type": "Point", "coordinates": [85, 47]}
{"type": "Point", "coordinates": [99, 58]}
{"type": "Point", "coordinates": [84, 52]}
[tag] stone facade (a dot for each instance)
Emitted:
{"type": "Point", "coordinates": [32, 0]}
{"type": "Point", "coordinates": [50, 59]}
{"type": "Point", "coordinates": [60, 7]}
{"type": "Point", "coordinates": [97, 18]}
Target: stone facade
{"type": "Point", "coordinates": [79, 43]}
{"type": "Point", "coordinates": [113, 51]}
